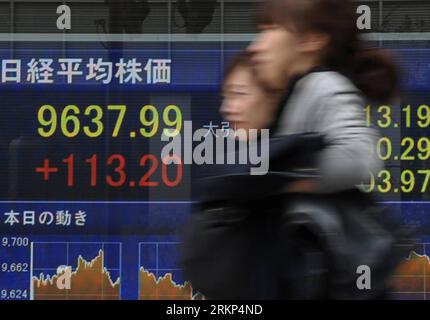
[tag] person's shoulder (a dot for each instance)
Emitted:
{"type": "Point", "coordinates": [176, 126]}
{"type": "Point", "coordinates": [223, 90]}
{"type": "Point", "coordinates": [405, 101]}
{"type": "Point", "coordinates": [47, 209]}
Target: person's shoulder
{"type": "Point", "coordinates": [328, 83]}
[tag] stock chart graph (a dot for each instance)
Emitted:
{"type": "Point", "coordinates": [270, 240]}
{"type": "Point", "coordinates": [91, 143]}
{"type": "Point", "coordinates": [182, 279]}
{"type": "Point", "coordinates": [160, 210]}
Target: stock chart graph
{"type": "Point", "coordinates": [411, 280]}
{"type": "Point", "coordinates": [159, 276]}
{"type": "Point", "coordinates": [67, 275]}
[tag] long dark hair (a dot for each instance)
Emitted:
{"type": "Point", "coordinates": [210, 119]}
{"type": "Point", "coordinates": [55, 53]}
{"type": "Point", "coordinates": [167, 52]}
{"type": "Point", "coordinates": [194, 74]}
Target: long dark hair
{"type": "Point", "coordinates": [372, 70]}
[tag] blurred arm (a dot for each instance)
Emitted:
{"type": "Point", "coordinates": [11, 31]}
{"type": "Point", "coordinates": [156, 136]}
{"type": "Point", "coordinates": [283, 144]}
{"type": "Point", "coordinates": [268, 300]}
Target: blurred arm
{"type": "Point", "coordinates": [350, 152]}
